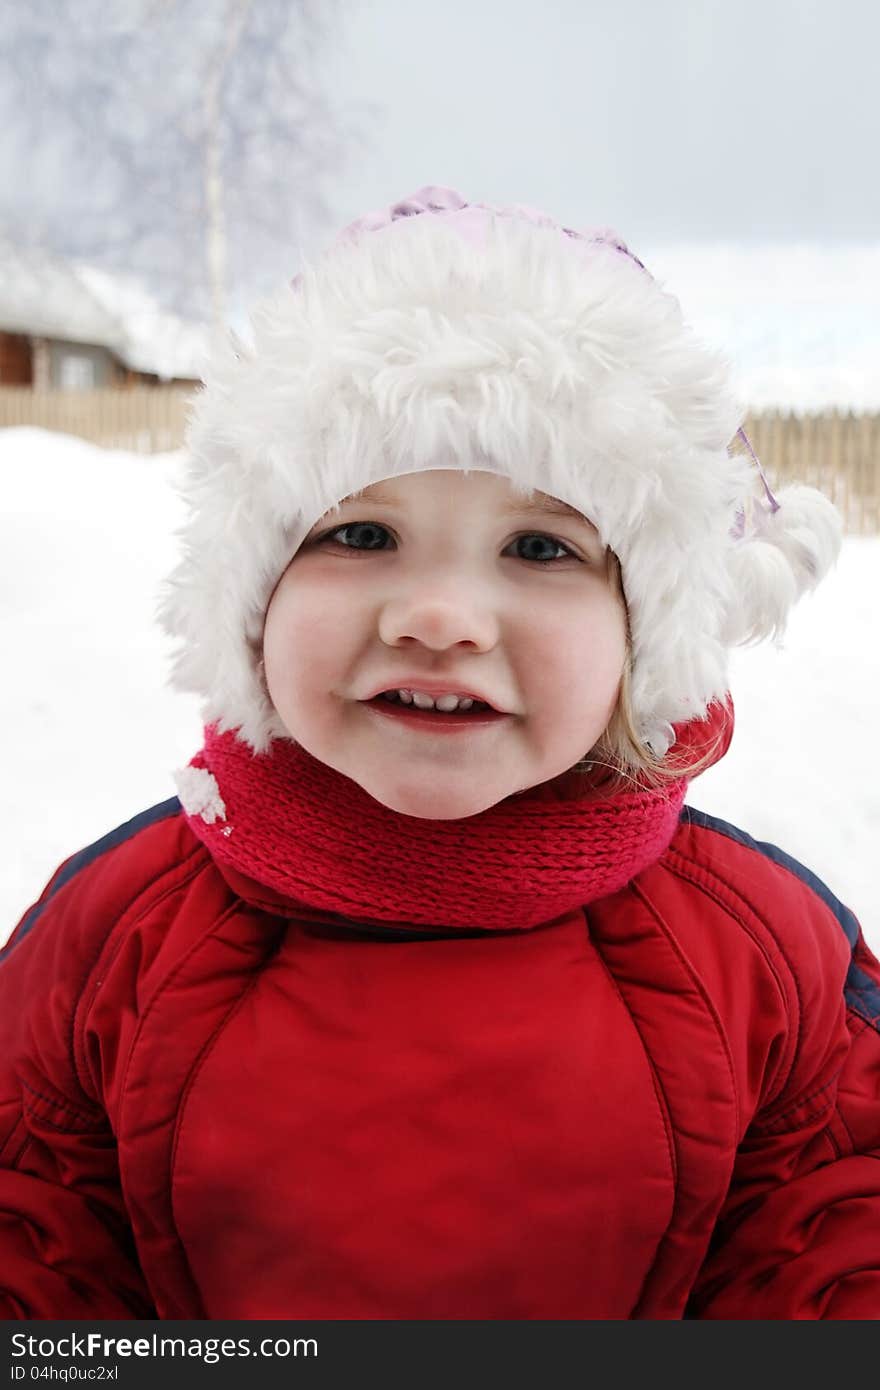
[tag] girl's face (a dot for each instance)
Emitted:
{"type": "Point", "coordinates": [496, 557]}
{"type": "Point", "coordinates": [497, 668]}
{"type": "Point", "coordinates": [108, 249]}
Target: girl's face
{"type": "Point", "coordinates": [447, 578]}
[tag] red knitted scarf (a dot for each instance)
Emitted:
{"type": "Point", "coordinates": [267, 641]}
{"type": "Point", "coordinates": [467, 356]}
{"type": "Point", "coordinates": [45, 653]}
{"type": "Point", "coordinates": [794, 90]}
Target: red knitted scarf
{"type": "Point", "coordinates": [293, 832]}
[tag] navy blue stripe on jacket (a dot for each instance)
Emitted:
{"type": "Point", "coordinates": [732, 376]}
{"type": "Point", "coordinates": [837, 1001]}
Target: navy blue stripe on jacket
{"type": "Point", "coordinates": [86, 856]}
{"type": "Point", "coordinates": [861, 993]}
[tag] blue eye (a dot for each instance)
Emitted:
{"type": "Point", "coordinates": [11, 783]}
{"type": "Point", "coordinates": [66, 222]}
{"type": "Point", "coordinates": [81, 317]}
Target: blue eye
{"type": "Point", "coordinates": [547, 540]}
{"type": "Point", "coordinates": [374, 527]}
{"type": "Point", "coordinates": [353, 526]}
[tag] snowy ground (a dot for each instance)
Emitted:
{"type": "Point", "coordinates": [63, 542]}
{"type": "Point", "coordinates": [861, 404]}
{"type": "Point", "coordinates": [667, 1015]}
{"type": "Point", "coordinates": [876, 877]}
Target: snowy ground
{"type": "Point", "coordinates": [90, 735]}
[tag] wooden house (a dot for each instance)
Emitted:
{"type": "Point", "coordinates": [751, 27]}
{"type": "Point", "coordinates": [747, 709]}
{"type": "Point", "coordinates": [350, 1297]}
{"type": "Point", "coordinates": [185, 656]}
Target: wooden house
{"type": "Point", "coordinates": [71, 327]}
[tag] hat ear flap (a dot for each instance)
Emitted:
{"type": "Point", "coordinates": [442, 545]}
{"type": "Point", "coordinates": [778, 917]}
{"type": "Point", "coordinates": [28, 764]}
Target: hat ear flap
{"type": "Point", "coordinates": [788, 553]}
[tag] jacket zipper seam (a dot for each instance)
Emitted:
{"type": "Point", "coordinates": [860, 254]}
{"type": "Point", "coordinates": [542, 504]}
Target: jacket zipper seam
{"type": "Point", "coordinates": [687, 871]}
{"type": "Point", "coordinates": [113, 942]}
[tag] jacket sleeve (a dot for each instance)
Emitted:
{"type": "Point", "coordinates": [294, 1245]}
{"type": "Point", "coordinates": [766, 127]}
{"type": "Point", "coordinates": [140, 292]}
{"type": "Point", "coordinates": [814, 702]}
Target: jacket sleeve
{"type": "Point", "coordinates": [66, 1247]}
{"type": "Point", "coordinates": [798, 1236]}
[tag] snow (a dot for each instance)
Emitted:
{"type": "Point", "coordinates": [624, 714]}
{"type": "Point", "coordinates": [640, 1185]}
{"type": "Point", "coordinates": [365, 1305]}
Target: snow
{"type": "Point", "coordinates": [91, 735]}
{"type": "Point", "coordinates": [153, 339]}
{"type": "Point", "coordinates": [798, 322]}
{"type": "Point", "coordinates": [46, 295]}
{"type": "Point", "coordinates": [41, 294]}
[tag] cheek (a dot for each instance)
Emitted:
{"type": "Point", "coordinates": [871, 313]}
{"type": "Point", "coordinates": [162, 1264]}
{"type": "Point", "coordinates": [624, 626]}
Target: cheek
{"type": "Point", "coordinates": [297, 640]}
{"type": "Point", "coordinates": [581, 651]}
{"type": "Point", "coordinates": [305, 642]}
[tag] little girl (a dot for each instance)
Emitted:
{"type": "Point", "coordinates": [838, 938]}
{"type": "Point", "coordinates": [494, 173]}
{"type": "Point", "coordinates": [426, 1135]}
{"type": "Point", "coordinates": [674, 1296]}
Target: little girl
{"type": "Point", "coordinates": [428, 997]}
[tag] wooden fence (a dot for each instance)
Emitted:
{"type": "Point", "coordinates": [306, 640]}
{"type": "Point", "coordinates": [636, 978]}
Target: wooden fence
{"type": "Point", "coordinates": [837, 452]}
{"type": "Point", "coordinates": [144, 419]}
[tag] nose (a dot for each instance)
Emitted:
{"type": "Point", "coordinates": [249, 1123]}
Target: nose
{"type": "Point", "coordinates": [439, 617]}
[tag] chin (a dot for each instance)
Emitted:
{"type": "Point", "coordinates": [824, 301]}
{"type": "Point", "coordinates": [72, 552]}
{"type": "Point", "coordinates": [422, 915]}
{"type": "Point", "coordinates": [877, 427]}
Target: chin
{"type": "Point", "coordinates": [425, 804]}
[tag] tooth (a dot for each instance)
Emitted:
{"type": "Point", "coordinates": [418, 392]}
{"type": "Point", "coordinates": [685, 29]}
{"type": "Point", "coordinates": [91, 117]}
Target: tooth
{"type": "Point", "coordinates": [446, 704]}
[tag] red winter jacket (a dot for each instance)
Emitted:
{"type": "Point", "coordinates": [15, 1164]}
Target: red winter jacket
{"type": "Point", "coordinates": [213, 1105]}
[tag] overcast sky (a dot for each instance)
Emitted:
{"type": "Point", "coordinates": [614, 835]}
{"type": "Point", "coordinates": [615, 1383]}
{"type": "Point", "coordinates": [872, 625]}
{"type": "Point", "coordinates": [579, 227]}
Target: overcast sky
{"type": "Point", "coordinates": [682, 119]}
{"type": "Point", "coordinates": [739, 123]}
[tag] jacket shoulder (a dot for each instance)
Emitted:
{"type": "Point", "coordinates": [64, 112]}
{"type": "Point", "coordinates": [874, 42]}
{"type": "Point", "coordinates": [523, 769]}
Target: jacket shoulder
{"type": "Point", "coordinates": [800, 910]}
{"type": "Point", "coordinates": [84, 961]}
{"type": "Point", "coordinates": [773, 943]}
{"type": "Point", "coordinates": [108, 874]}
{"type": "Point", "coordinates": [725, 847]}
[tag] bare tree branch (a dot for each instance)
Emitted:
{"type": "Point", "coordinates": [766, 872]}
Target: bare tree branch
{"type": "Point", "coordinates": [179, 141]}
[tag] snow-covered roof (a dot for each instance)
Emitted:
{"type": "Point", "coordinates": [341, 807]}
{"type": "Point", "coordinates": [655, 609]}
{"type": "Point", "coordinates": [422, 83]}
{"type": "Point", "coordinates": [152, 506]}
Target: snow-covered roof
{"type": "Point", "coordinates": [154, 340]}
{"type": "Point", "coordinates": [41, 294]}
{"type": "Point", "coordinates": [46, 295]}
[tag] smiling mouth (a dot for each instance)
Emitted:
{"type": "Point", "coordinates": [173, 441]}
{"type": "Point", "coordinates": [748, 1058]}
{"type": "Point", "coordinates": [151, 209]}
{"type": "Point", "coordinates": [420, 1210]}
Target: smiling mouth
{"type": "Point", "coordinates": [433, 719]}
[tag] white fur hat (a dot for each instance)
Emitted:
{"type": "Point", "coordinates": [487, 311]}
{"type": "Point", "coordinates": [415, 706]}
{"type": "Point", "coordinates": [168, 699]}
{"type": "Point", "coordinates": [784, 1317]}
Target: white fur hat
{"type": "Point", "coordinates": [439, 330]}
